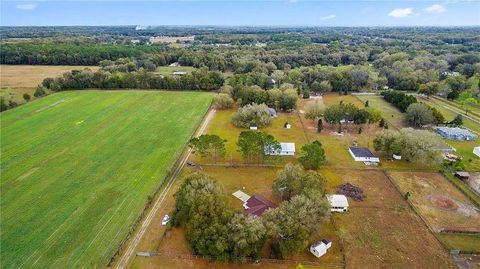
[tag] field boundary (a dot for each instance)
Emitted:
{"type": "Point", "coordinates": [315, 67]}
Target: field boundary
{"type": "Point", "coordinates": [173, 255]}
{"type": "Point", "coordinates": [160, 196]}
{"type": "Point", "coordinates": [472, 196]}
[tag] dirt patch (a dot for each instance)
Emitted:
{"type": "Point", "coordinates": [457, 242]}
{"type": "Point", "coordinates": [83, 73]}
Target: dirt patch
{"type": "Point", "coordinates": [443, 202]}
{"type": "Point", "coordinates": [439, 202]}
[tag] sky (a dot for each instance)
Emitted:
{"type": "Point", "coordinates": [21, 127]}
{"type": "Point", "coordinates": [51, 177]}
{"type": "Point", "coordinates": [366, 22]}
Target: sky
{"type": "Point", "coordinates": [242, 12]}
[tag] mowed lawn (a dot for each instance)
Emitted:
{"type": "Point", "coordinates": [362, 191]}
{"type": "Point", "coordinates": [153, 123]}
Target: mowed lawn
{"type": "Point", "coordinates": [77, 168]}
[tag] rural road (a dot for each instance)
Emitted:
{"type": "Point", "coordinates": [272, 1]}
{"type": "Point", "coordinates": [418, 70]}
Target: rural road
{"type": "Point", "coordinates": [132, 244]}
{"type": "Point", "coordinates": [453, 109]}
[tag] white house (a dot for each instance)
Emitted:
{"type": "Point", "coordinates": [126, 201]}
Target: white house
{"type": "Point", "coordinates": [338, 203]}
{"type": "Point", "coordinates": [320, 248]}
{"type": "Point", "coordinates": [362, 154]}
{"type": "Point", "coordinates": [253, 127]}
{"type": "Point", "coordinates": [286, 149]}
{"type": "Point", "coordinates": [476, 151]}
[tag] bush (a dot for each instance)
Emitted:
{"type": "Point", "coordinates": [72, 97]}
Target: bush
{"type": "Point", "coordinates": [398, 99]}
{"type": "Point", "coordinates": [252, 115]}
{"type": "Point", "coordinates": [26, 97]}
{"type": "Point", "coordinates": [223, 101]}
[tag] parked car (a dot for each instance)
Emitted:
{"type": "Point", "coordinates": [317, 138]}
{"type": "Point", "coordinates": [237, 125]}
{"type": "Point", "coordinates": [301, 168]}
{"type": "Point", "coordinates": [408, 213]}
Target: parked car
{"type": "Point", "coordinates": [165, 220]}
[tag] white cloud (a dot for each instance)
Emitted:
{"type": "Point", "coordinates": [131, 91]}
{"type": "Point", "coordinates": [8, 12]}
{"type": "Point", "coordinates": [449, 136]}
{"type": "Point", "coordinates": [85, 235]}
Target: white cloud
{"type": "Point", "coordinates": [436, 8]}
{"type": "Point", "coordinates": [401, 12]}
{"type": "Point", "coordinates": [329, 17]}
{"type": "Point", "coordinates": [26, 6]}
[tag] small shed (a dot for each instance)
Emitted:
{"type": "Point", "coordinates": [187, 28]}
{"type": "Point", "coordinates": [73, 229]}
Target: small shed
{"type": "Point", "coordinates": [363, 154]}
{"type": "Point", "coordinates": [456, 133]}
{"type": "Point", "coordinates": [476, 151]}
{"type": "Point", "coordinates": [320, 248]}
{"type": "Point", "coordinates": [338, 202]}
{"type": "Point", "coordinates": [396, 157]}
{"type": "Point", "coordinates": [462, 175]}
{"type": "Point", "coordinates": [253, 127]}
{"type": "Point", "coordinates": [287, 125]}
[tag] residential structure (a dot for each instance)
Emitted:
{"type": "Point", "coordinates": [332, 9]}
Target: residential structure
{"type": "Point", "coordinates": [286, 149]}
{"type": "Point", "coordinates": [338, 202]}
{"type": "Point", "coordinates": [362, 154]}
{"type": "Point", "coordinates": [256, 205]}
{"type": "Point", "coordinates": [320, 248]}
{"type": "Point", "coordinates": [456, 133]}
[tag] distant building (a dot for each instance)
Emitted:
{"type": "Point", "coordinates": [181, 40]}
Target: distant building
{"type": "Point", "coordinates": [179, 73]}
{"type": "Point", "coordinates": [256, 205]}
{"type": "Point", "coordinates": [338, 202]}
{"type": "Point", "coordinates": [320, 248]}
{"type": "Point", "coordinates": [450, 74]}
{"type": "Point", "coordinates": [456, 133]}
{"type": "Point", "coordinates": [286, 149]}
{"type": "Point", "coordinates": [253, 127]}
{"type": "Point", "coordinates": [174, 64]}
{"type": "Point", "coordinates": [362, 154]}
{"type": "Point", "coordinates": [287, 125]}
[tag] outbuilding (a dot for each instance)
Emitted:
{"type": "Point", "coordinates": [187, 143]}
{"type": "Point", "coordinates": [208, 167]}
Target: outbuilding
{"type": "Point", "coordinates": [287, 125]}
{"type": "Point", "coordinates": [363, 154]}
{"type": "Point", "coordinates": [253, 127]}
{"type": "Point", "coordinates": [476, 151]}
{"type": "Point", "coordinates": [320, 248]}
{"type": "Point", "coordinates": [286, 149]}
{"type": "Point", "coordinates": [338, 202]}
{"type": "Point", "coordinates": [179, 73]}
{"type": "Point", "coordinates": [462, 175]}
{"type": "Point", "coordinates": [456, 133]}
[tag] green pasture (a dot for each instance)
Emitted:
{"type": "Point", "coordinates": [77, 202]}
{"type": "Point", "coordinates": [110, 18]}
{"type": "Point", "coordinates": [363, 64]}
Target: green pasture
{"type": "Point", "coordinates": [77, 169]}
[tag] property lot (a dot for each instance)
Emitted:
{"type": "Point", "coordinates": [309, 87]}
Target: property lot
{"type": "Point", "coordinates": [391, 114]}
{"type": "Point", "coordinates": [80, 166]}
{"type": "Point", "coordinates": [442, 205]}
{"type": "Point", "coordinates": [382, 231]}
{"type": "Point", "coordinates": [168, 70]}
{"type": "Point", "coordinates": [222, 126]}
{"type": "Point", "coordinates": [15, 80]}
{"type": "Point", "coordinates": [172, 247]}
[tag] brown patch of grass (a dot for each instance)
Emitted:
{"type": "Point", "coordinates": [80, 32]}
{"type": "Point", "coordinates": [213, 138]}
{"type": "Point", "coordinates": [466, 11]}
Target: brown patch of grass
{"type": "Point", "coordinates": [423, 186]}
{"type": "Point", "coordinates": [16, 80]}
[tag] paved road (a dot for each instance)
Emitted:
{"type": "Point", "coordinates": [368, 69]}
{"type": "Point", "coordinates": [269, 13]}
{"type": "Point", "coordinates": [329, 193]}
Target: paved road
{"type": "Point", "coordinates": [132, 244]}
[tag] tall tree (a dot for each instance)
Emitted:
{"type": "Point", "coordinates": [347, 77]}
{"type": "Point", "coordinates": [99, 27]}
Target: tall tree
{"type": "Point", "coordinates": [253, 144]}
{"type": "Point", "coordinates": [312, 156]}
{"type": "Point", "coordinates": [208, 145]}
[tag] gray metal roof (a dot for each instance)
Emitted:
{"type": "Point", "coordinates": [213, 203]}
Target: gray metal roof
{"type": "Point", "coordinates": [362, 152]}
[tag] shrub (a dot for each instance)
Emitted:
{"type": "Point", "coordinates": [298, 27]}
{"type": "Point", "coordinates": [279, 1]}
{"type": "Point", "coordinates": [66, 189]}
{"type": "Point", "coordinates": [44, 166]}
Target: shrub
{"type": "Point", "coordinates": [252, 115]}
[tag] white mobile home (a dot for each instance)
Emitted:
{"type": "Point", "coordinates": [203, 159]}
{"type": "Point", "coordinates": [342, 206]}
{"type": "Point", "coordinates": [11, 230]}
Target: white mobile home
{"type": "Point", "coordinates": [286, 149]}
{"type": "Point", "coordinates": [338, 203]}
{"type": "Point", "coordinates": [362, 154]}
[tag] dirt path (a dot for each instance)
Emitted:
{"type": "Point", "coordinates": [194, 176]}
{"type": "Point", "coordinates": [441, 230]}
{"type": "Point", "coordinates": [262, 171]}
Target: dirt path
{"type": "Point", "coordinates": [132, 245]}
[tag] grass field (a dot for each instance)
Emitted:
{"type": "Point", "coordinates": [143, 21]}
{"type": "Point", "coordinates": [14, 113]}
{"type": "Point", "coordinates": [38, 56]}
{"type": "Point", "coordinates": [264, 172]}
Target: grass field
{"type": "Point", "coordinates": [77, 168]}
{"type": "Point", "coordinates": [15, 80]}
{"type": "Point", "coordinates": [438, 201]}
{"type": "Point", "coordinates": [222, 126]}
{"type": "Point", "coordinates": [465, 242]}
{"type": "Point", "coordinates": [391, 114]}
